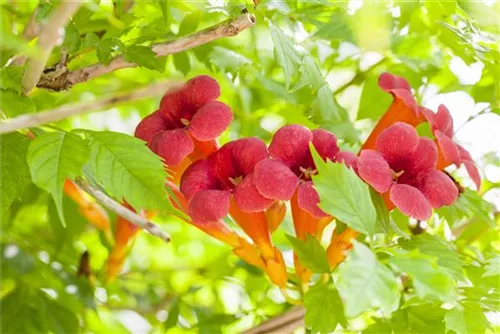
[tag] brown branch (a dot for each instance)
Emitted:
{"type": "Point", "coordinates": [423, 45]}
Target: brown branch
{"type": "Point", "coordinates": [285, 323]}
{"type": "Point", "coordinates": [47, 40]}
{"type": "Point", "coordinates": [227, 28]}
{"type": "Point", "coordinates": [31, 120]}
{"type": "Point", "coordinates": [122, 211]}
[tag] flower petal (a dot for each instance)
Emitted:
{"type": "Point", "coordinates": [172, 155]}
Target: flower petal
{"type": "Point", "coordinates": [200, 90]}
{"type": "Point", "coordinates": [429, 115]}
{"type": "Point", "coordinates": [172, 145]}
{"type": "Point", "coordinates": [325, 144]}
{"type": "Point", "coordinates": [397, 142]}
{"type": "Point", "coordinates": [348, 158]}
{"type": "Point", "coordinates": [290, 145]}
{"type": "Point", "coordinates": [308, 199]}
{"type": "Point", "coordinates": [443, 121]}
{"type": "Point", "coordinates": [422, 159]}
{"type": "Point", "coordinates": [448, 148]}
{"type": "Point", "coordinates": [248, 197]}
{"type": "Point", "coordinates": [388, 82]}
{"type": "Point", "coordinates": [439, 189]}
{"type": "Point", "coordinates": [410, 201]}
{"type": "Point", "coordinates": [210, 121]}
{"type": "Point", "coordinates": [209, 205]}
{"type": "Point", "coordinates": [199, 176]}
{"type": "Point", "coordinates": [275, 180]}
{"type": "Point", "coordinates": [247, 152]}
{"type": "Point", "coordinates": [237, 158]}
{"type": "Point", "coordinates": [404, 108]}
{"type": "Point", "coordinates": [375, 171]}
{"type": "Point", "coordinates": [399, 88]}
{"type": "Point", "coordinates": [150, 126]}
{"type": "Point", "coordinates": [171, 106]}
{"type": "Point", "coordinates": [473, 172]}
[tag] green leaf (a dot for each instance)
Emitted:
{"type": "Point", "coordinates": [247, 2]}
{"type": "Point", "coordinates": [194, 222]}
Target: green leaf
{"type": "Point", "coordinates": [182, 62]}
{"type": "Point", "coordinates": [310, 75]}
{"type": "Point", "coordinates": [337, 28]}
{"type": "Point", "coordinates": [90, 40]}
{"type": "Point", "coordinates": [227, 60]}
{"type": "Point", "coordinates": [54, 157]}
{"type": "Point", "coordinates": [324, 309]}
{"type": "Point", "coordinates": [467, 318]}
{"type": "Point", "coordinates": [344, 196]}
{"type": "Point", "coordinates": [383, 220]}
{"type": "Point", "coordinates": [173, 314]}
{"type": "Point", "coordinates": [374, 101]}
{"type": "Point", "coordinates": [128, 169]}
{"type": "Point", "coordinates": [310, 253]}
{"type": "Point", "coordinates": [364, 283]}
{"type": "Point", "coordinates": [433, 246]}
{"type": "Point", "coordinates": [143, 56]}
{"type": "Point", "coordinates": [14, 104]}
{"type": "Point", "coordinates": [189, 23]}
{"type": "Point", "coordinates": [106, 49]}
{"type": "Point", "coordinates": [285, 53]}
{"type": "Point", "coordinates": [492, 266]}
{"type": "Point", "coordinates": [71, 38]}
{"type": "Point", "coordinates": [15, 175]}
{"type": "Point", "coordinates": [326, 108]}
{"type": "Point", "coordinates": [429, 279]}
{"type": "Point", "coordinates": [164, 9]}
{"type": "Point", "coordinates": [10, 78]}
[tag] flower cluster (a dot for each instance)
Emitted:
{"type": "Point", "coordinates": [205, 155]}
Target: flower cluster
{"type": "Point", "coordinates": [250, 182]}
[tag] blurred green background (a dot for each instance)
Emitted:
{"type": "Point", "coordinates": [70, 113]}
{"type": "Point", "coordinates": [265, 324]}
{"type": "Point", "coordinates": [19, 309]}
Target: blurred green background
{"type": "Point", "coordinates": [314, 63]}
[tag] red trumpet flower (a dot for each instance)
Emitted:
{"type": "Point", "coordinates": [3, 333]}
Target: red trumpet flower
{"type": "Point", "coordinates": [293, 163]}
{"type": "Point", "coordinates": [224, 183]}
{"type": "Point", "coordinates": [449, 151]}
{"type": "Point", "coordinates": [187, 118]}
{"type": "Point", "coordinates": [208, 184]}
{"type": "Point", "coordinates": [404, 107]}
{"type": "Point", "coordinates": [404, 166]}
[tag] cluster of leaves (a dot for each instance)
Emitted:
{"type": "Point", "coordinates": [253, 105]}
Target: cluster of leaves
{"type": "Point", "coordinates": [313, 63]}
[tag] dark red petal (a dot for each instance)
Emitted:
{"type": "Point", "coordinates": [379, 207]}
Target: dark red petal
{"type": "Point", "coordinates": [348, 158]}
{"type": "Point", "coordinates": [210, 121]}
{"type": "Point", "coordinates": [198, 176]}
{"type": "Point", "coordinates": [448, 148]}
{"type": "Point", "coordinates": [150, 126]}
{"type": "Point", "coordinates": [171, 106]}
{"type": "Point", "coordinates": [399, 88]}
{"type": "Point", "coordinates": [172, 145]}
{"type": "Point", "coordinates": [473, 172]}
{"type": "Point", "coordinates": [397, 142]}
{"type": "Point", "coordinates": [464, 154]}
{"type": "Point", "coordinates": [308, 199]}
{"type": "Point", "coordinates": [410, 201]}
{"type": "Point", "coordinates": [247, 152]}
{"type": "Point", "coordinates": [325, 143]}
{"type": "Point", "coordinates": [209, 205]}
{"type": "Point", "coordinates": [200, 90]}
{"type": "Point", "coordinates": [290, 145]}
{"type": "Point", "coordinates": [438, 188]}
{"type": "Point", "coordinates": [388, 82]}
{"type": "Point", "coordinates": [237, 158]}
{"type": "Point", "coordinates": [423, 158]}
{"type": "Point", "coordinates": [375, 171]}
{"type": "Point", "coordinates": [471, 167]}
{"type": "Point", "coordinates": [443, 121]}
{"type": "Point", "coordinates": [248, 197]}
{"type": "Point", "coordinates": [428, 114]}
{"type": "Point", "coordinates": [275, 180]}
